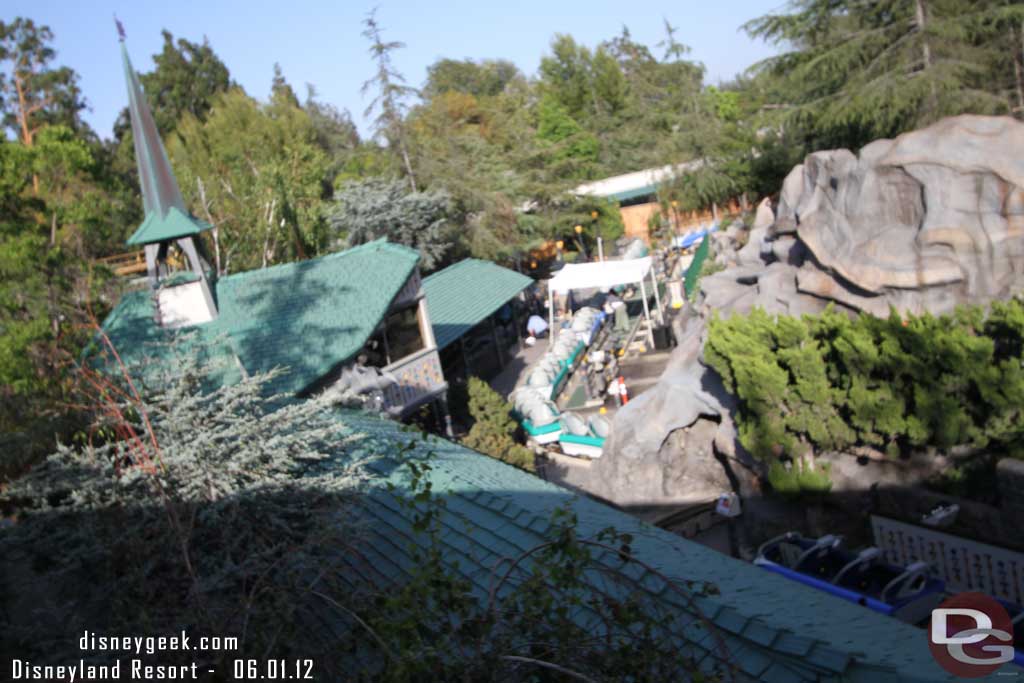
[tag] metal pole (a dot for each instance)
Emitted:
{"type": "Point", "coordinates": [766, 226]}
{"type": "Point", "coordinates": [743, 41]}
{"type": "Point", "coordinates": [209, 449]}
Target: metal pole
{"type": "Point", "coordinates": [551, 315]}
{"type": "Point", "coordinates": [600, 249]}
{"type": "Point", "coordinates": [647, 312]}
{"type": "Point", "coordinates": [657, 298]}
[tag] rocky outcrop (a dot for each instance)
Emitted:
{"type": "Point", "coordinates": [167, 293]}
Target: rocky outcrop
{"type": "Point", "coordinates": [930, 220]}
{"type": "Point", "coordinates": [666, 444]}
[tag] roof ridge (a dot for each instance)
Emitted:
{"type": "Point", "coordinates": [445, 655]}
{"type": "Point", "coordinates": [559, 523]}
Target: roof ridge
{"type": "Point", "coordinates": [331, 256]}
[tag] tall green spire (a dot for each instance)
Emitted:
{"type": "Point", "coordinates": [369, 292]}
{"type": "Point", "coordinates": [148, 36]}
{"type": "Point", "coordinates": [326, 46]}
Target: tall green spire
{"type": "Point", "coordinates": [167, 217]}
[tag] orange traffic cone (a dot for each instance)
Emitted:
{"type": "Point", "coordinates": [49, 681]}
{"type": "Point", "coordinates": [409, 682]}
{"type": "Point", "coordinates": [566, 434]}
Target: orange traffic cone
{"type": "Point", "coordinates": [622, 390]}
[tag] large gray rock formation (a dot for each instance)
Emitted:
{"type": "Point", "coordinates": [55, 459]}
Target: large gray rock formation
{"type": "Point", "coordinates": [924, 222]}
{"type": "Point", "coordinates": [932, 219]}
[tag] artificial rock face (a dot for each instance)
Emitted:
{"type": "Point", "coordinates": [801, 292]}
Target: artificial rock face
{"type": "Point", "coordinates": [932, 219]}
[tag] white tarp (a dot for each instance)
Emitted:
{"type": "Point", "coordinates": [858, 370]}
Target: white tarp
{"type": "Point", "coordinates": [602, 274]}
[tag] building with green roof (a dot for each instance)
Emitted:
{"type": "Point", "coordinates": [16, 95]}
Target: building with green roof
{"type": "Point", "coordinates": [314, 320]}
{"type": "Point", "coordinates": [474, 311]}
{"type": "Point", "coordinates": [168, 223]}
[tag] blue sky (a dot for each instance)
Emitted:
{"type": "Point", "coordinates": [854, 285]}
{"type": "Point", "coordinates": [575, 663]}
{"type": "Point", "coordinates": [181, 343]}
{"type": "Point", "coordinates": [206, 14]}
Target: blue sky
{"type": "Point", "coordinates": [319, 41]}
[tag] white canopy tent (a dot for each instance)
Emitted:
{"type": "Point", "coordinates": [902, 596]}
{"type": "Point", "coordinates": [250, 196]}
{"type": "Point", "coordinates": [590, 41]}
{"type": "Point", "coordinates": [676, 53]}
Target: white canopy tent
{"type": "Point", "coordinates": [604, 275]}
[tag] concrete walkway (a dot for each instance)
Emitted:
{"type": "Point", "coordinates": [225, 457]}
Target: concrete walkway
{"type": "Point", "coordinates": [514, 374]}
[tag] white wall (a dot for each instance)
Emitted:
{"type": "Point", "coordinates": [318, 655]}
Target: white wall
{"type": "Point", "coordinates": [183, 305]}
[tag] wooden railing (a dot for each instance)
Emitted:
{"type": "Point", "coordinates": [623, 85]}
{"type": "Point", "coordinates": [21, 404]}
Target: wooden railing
{"type": "Point", "coordinates": [134, 263]}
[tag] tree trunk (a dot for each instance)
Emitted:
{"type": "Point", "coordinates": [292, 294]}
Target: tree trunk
{"type": "Point", "coordinates": [300, 247]}
{"type": "Point", "coordinates": [919, 20]}
{"type": "Point", "coordinates": [270, 229]}
{"type": "Point", "coordinates": [215, 232]}
{"type": "Point", "coordinates": [405, 160]}
{"type": "Point", "coordinates": [27, 134]}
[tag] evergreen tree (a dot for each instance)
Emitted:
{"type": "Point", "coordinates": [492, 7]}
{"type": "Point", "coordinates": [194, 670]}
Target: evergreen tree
{"type": "Point", "coordinates": [33, 93]}
{"type": "Point", "coordinates": [858, 71]}
{"type": "Point", "coordinates": [486, 78]}
{"type": "Point", "coordinates": [389, 102]}
{"type": "Point", "coordinates": [493, 427]}
{"type": "Point", "coordinates": [280, 91]}
{"type": "Point", "coordinates": [186, 79]}
{"type": "Point", "coordinates": [378, 208]}
{"type": "Point", "coordinates": [257, 175]}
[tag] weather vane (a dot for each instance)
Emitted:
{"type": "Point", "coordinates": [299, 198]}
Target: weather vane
{"type": "Point", "coordinates": [120, 29]}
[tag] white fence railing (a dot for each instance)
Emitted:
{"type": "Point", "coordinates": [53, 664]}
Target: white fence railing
{"type": "Point", "coordinates": [964, 565]}
{"type": "Point", "coordinates": [418, 376]}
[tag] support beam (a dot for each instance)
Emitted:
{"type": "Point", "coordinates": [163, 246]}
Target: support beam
{"type": "Point", "coordinates": [188, 246]}
{"type": "Point", "coordinates": [657, 298]}
{"type": "Point", "coordinates": [497, 342]}
{"type": "Point", "coordinates": [465, 358]}
{"type": "Point", "coordinates": [447, 416]}
{"type": "Point", "coordinates": [647, 313]}
{"type": "Point", "coordinates": [551, 315]}
{"type": "Point", "coordinates": [519, 328]}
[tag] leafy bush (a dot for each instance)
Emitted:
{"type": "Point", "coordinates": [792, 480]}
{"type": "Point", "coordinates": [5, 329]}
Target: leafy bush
{"type": "Point", "coordinates": [798, 478]}
{"type": "Point", "coordinates": [371, 209]}
{"type": "Point", "coordinates": [493, 428]}
{"type": "Point", "coordinates": [186, 507]}
{"type": "Point", "coordinates": [895, 384]}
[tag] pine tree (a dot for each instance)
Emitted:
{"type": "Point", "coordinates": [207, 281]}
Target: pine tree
{"type": "Point", "coordinates": [391, 94]}
{"type": "Point", "coordinates": [379, 208]}
{"type": "Point", "coordinates": [493, 428]}
{"type": "Point", "coordinates": [857, 71]}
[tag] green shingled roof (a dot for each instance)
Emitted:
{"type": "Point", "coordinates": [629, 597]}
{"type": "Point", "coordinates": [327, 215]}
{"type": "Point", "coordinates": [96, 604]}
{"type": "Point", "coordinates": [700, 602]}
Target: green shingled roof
{"type": "Point", "coordinates": [307, 316]}
{"type": "Point", "coordinates": [774, 629]}
{"type": "Point", "coordinates": [464, 294]}
{"type": "Point", "coordinates": [172, 225]}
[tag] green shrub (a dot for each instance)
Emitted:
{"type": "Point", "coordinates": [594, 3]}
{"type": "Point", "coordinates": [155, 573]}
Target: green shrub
{"type": "Point", "coordinates": [493, 428]}
{"type": "Point", "coordinates": [895, 384]}
{"type": "Point", "coordinates": [800, 478]}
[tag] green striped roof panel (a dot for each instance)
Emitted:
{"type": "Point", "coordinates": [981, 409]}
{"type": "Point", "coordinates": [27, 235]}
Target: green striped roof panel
{"type": "Point", "coordinates": [464, 294]}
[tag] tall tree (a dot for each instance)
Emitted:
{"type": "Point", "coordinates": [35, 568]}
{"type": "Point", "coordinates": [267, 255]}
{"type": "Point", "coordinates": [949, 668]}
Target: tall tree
{"type": "Point", "coordinates": [377, 208]}
{"type": "Point", "coordinates": [335, 134]}
{"type": "Point", "coordinates": [256, 173]}
{"type": "Point", "coordinates": [34, 93]}
{"type": "Point", "coordinates": [857, 71]}
{"type": "Point", "coordinates": [389, 102]}
{"type": "Point", "coordinates": [280, 90]}
{"type": "Point", "coordinates": [186, 79]}
{"type": "Point", "coordinates": [42, 283]}
{"type": "Point", "coordinates": [486, 78]}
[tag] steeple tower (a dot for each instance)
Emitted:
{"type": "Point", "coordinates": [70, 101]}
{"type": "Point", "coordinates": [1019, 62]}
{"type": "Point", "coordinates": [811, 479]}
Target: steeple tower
{"type": "Point", "coordinates": [168, 221]}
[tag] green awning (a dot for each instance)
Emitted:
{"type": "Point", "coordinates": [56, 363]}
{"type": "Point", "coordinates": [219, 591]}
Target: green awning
{"type": "Point", "coordinates": [463, 295]}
